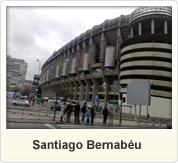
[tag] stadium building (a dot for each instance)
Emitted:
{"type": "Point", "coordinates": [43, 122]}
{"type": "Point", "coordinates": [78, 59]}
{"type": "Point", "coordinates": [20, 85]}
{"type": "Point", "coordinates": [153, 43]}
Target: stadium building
{"type": "Point", "coordinates": [129, 48]}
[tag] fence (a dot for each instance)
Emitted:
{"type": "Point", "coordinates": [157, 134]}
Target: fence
{"type": "Point", "coordinates": [46, 114]}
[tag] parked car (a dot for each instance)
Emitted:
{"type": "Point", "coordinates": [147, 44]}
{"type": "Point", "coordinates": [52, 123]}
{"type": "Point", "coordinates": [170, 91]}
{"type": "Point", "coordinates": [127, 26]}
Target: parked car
{"type": "Point", "coordinates": [58, 107]}
{"type": "Point", "coordinates": [169, 126]}
{"type": "Point", "coordinates": [21, 103]}
{"type": "Point", "coordinates": [21, 97]}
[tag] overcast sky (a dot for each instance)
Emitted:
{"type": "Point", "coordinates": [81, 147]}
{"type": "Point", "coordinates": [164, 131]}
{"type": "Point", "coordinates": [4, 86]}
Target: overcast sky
{"type": "Point", "coordinates": [35, 32]}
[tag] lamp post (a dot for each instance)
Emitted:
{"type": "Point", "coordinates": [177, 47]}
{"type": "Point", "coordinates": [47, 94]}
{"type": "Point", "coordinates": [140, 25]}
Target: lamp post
{"type": "Point", "coordinates": [39, 66]}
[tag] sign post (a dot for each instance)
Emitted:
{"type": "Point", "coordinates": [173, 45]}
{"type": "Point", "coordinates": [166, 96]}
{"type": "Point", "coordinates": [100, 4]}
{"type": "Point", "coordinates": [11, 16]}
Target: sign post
{"type": "Point", "coordinates": [139, 94]}
{"type": "Point", "coordinates": [96, 98]}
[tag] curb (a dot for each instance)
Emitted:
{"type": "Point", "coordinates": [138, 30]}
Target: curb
{"type": "Point", "coordinates": [53, 122]}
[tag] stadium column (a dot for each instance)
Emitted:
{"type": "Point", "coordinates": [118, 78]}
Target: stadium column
{"type": "Point", "coordinates": [131, 32]}
{"type": "Point", "coordinates": [118, 52]}
{"type": "Point", "coordinates": [75, 85]}
{"type": "Point", "coordinates": [88, 84]}
{"type": "Point", "coordinates": [139, 28]}
{"type": "Point", "coordinates": [165, 27]}
{"type": "Point", "coordinates": [71, 89]}
{"type": "Point", "coordinates": [152, 26]}
{"type": "Point", "coordinates": [80, 90]}
{"type": "Point", "coordinates": [78, 54]}
{"type": "Point", "coordinates": [84, 50]}
{"type": "Point", "coordinates": [75, 90]}
{"type": "Point", "coordinates": [95, 90]}
{"type": "Point", "coordinates": [92, 55]}
{"type": "Point", "coordinates": [106, 91]}
{"type": "Point", "coordinates": [103, 45]}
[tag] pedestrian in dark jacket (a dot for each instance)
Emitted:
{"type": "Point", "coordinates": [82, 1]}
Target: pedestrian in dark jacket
{"type": "Point", "coordinates": [105, 115]}
{"type": "Point", "coordinates": [84, 110]}
{"type": "Point", "coordinates": [68, 111]}
{"type": "Point", "coordinates": [77, 112]}
{"type": "Point", "coordinates": [92, 113]}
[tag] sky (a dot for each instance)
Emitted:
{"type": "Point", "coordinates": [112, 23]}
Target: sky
{"type": "Point", "coordinates": [33, 33]}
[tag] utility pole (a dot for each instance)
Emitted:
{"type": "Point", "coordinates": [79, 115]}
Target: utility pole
{"type": "Point", "coordinates": [120, 97]}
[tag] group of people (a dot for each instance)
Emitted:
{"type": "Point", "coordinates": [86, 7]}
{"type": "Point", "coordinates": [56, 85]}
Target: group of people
{"type": "Point", "coordinates": [88, 113]}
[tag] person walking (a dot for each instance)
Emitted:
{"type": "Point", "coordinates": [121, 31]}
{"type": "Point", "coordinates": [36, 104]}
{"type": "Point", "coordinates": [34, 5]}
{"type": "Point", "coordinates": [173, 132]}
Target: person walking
{"type": "Point", "coordinates": [62, 112]}
{"type": "Point", "coordinates": [92, 113]}
{"type": "Point", "coordinates": [68, 111]}
{"type": "Point", "coordinates": [111, 116]}
{"type": "Point", "coordinates": [33, 101]}
{"type": "Point", "coordinates": [105, 115]}
{"type": "Point", "coordinates": [84, 110]}
{"type": "Point", "coordinates": [77, 112]}
{"type": "Point", "coordinates": [88, 117]}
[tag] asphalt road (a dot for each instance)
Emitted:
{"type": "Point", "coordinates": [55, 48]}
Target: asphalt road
{"type": "Point", "coordinates": [65, 126]}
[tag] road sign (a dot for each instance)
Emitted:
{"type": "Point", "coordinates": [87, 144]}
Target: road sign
{"type": "Point", "coordinates": [96, 97]}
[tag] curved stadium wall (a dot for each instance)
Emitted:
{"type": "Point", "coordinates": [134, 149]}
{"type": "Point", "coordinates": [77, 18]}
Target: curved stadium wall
{"type": "Point", "coordinates": [131, 48]}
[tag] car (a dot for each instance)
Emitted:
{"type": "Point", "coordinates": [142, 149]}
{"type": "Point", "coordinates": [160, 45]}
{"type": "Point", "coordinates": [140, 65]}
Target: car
{"type": "Point", "coordinates": [21, 103]}
{"type": "Point", "coordinates": [169, 126]}
{"type": "Point", "coordinates": [58, 107]}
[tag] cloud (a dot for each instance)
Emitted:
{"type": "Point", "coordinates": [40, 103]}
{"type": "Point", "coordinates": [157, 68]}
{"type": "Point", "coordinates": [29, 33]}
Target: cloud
{"type": "Point", "coordinates": [35, 32]}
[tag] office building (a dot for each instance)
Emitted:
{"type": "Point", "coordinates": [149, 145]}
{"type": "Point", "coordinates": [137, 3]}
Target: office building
{"type": "Point", "coordinates": [15, 72]}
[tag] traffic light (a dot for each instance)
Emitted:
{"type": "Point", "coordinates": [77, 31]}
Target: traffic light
{"type": "Point", "coordinates": [123, 99]}
{"type": "Point", "coordinates": [120, 96]}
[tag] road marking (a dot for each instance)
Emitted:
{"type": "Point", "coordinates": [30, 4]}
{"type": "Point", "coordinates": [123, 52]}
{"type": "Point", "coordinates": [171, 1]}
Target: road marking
{"type": "Point", "coordinates": [75, 126]}
{"type": "Point", "coordinates": [68, 125]}
{"type": "Point", "coordinates": [50, 126]}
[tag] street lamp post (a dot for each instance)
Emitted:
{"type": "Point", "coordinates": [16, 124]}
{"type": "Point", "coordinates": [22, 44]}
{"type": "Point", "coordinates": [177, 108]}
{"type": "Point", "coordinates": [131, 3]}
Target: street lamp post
{"type": "Point", "coordinates": [39, 67]}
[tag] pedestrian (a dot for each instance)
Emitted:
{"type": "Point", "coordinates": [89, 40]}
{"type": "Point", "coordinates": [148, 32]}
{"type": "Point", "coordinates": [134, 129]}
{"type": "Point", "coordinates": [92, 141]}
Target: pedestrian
{"type": "Point", "coordinates": [68, 111]}
{"type": "Point", "coordinates": [33, 101]}
{"type": "Point", "coordinates": [77, 112]}
{"type": "Point", "coordinates": [88, 117]}
{"type": "Point", "coordinates": [62, 112]}
{"type": "Point", "coordinates": [111, 116]}
{"type": "Point", "coordinates": [92, 113]}
{"type": "Point", "coordinates": [84, 110]}
{"type": "Point", "coordinates": [100, 109]}
{"type": "Point", "coordinates": [105, 115]}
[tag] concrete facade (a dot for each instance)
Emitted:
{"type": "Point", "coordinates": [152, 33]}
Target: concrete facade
{"type": "Point", "coordinates": [16, 72]}
{"type": "Point", "coordinates": [130, 48]}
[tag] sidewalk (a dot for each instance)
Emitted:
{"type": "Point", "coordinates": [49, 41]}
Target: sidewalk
{"type": "Point", "coordinates": [97, 122]}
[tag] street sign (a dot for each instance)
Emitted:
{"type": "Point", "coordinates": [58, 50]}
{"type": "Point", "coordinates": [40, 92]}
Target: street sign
{"type": "Point", "coordinates": [96, 97]}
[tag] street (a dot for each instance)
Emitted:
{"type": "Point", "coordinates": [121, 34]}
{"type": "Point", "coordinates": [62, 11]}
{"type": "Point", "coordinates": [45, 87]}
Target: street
{"type": "Point", "coordinates": [71, 126]}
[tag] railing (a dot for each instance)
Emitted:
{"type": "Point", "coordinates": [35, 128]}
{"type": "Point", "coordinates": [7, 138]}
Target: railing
{"type": "Point", "coordinates": [145, 11]}
{"type": "Point", "coordinates": [46, 114]}
{"type": "Point", "coordinates": [22, 112]}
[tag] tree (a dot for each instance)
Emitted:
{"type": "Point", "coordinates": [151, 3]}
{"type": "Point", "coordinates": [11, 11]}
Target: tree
{"type": "Point", "coordinates": [65, 92]}
{"type": "Point", "coordinates": [57, 90]}
{"type": "Point", "coordinates": [25, 91]}
{"type": "Point", "coordinates": [15, 90]}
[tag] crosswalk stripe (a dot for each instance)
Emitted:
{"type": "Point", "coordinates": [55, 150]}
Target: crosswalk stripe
{"type": "Point", "coordinates": [74, 126]}
{"type": "Point", "coordinates": [67, 125]}
{"type": "Point", "coordinates": [50, 126]}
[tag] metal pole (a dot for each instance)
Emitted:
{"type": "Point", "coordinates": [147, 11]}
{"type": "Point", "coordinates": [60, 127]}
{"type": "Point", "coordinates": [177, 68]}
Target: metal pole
{"type": "Point", "coordinates": [135, 109]}
{"type": "Point", "coordinates": [121, 113]}
{"type": "Point", "coordinates": [39, 66]}
{"type": "Point", "coordinates": [139, 115]}
{"type": "Point", "coordinates": [54, 115]}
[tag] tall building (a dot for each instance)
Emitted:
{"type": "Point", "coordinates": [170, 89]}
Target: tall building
{"type": "Point", "coordinates": [129, 48]}
{"type": "Point", "coordinates": [36, 90]}
{"type": "Point", "coordinates": [16, 72]}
